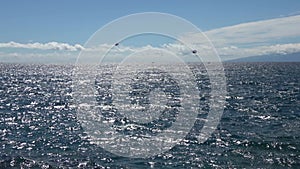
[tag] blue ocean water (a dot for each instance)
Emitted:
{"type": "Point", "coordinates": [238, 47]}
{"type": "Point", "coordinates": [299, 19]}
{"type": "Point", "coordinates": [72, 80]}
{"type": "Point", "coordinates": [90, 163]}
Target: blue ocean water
{"type": "Point", "coordinates": [259, 127]}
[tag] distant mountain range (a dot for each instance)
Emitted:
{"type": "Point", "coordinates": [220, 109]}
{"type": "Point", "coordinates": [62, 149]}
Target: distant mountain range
{"type": "Point", "coordinates": [294, 57]}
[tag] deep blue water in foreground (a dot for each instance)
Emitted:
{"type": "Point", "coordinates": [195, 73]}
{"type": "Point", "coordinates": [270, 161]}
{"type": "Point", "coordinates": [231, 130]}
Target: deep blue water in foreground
{"type": "Point", "coordinates": [260, 127]}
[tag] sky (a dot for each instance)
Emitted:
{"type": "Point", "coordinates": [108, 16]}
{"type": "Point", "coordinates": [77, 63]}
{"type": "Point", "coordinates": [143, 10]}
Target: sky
{"type": "Point", "coordinates": [60, 28]}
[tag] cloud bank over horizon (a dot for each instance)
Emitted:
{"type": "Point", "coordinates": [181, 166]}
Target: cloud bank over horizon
{"type": "Point", "coordinates": [43, 46]}
{"type": "Point", "coordinates": [274, 36]}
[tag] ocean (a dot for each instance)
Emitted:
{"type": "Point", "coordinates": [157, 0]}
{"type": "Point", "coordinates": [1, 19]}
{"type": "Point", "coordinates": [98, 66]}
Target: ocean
{"type": "Point", "coordinates": [259, 128]}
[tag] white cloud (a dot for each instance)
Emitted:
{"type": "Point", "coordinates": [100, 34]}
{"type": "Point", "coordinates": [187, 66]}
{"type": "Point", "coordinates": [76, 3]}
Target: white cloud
{"type": "Point", "coordinates": [266, 31]}
{"type": "Point", "coordinates": [43, 46]}
{"type": "Point", "coordinates": [233, 52]}
{"type": "Point", "coordinates": [48, 58]}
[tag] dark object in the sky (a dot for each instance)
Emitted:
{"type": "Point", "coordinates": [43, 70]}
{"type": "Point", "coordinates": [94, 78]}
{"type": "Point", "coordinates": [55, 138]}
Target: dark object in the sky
{"type": "Point", "coordinates": [117, 44]}
{"type": "Point", "coordinates": [194, 51]}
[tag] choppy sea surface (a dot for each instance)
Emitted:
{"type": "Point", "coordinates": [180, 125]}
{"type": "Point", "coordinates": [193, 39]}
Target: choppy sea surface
{"type": "Point", "coordinates": [260, 126]}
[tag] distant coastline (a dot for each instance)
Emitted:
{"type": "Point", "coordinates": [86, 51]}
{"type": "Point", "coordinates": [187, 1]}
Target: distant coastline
{"type": "Point", "coordinates": [294, 57]}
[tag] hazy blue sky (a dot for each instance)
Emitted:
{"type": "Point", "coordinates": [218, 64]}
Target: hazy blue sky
{"type": "Point", "coordinates": [74, 21]}
{"type": "Point", "coordinates": [58, 28]}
